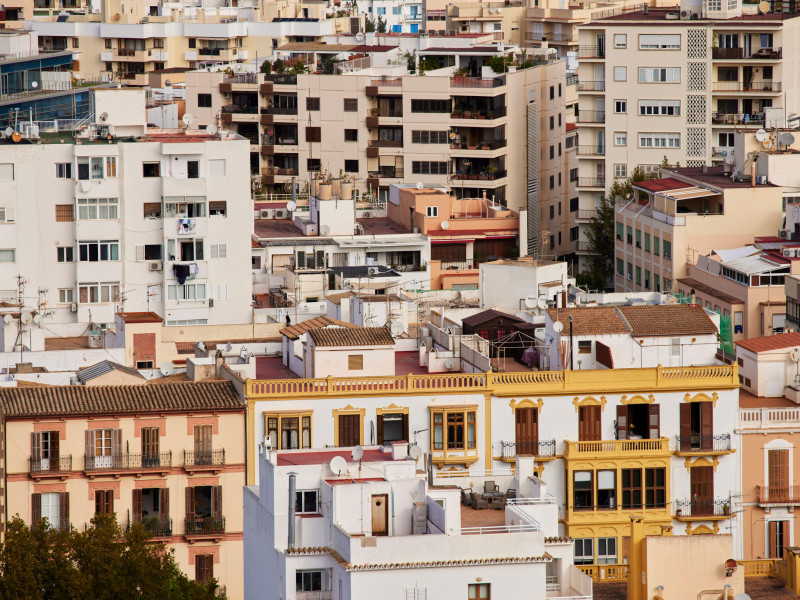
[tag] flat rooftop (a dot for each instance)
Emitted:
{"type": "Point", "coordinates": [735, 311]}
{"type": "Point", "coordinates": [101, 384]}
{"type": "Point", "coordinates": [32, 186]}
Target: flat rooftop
{"type": "Point", "coordinates": [272, 367]}
{"type": "Point", "coordinates": [714, 176]}
{"type": "Point", "coordinates": [321, 457]}
{"type": "Point", "coordinates": [659, 17]}
{"type": "Point", "coordinates": [381, 226]}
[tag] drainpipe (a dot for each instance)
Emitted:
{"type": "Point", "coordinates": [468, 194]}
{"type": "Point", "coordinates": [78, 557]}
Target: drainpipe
{"type": "Point", "coordinates": [292, 492]}
{"type": "Point", "coordinates": [753, 173]}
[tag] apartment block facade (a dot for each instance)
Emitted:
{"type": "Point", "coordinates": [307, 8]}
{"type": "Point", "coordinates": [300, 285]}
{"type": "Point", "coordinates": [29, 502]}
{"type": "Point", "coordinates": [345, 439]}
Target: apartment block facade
{"type": "Point", "coordinates": [169, 456]}
{"type": "Point", "coordinates": [675, 84]}
{"type": "Point", "coordinates": [122, 218]}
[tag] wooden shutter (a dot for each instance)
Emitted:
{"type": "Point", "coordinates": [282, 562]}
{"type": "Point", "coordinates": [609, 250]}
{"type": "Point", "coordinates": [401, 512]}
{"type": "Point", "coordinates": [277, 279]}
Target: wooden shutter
{"type": "Point", "coordinates": [36, 446]}
{"type": "Point", "coordinates": [164, 504]}
{"type": "Point", "coordinates": [686, 427]}
{"type": "Point", "coordinates": [89, 444]}
{"type": "Point", "coordinates": [36, 508]}
{"type": "Point", "coordinates": [622, 422]}
{"type": "Point", "coordinates": [202, 443]}
{"type": "Point", "coordinates": [589, 423]}
{"type": "Point", "coordinates": [707, 426]}
{"type": "Point", "coordinates": [778, 471]}
{"type": "Point", "coordinates": [216, 501]}
{"type": "Point", "coordinates": [190, 505]}
{"type": "Point", "coordinates": [772, 527]}
{"type": "Point", "coordinates": [655, 422]}
{"type": "Point", "coordinates": [702, 490]}
{"type": "Point", "coordinates": [55, 451]}
{"type": "Point", "coordinates": [137, 506]}
{"type": "Point", "coordinates": [380, 430]}
{"type": "Point", "coordinates": [405, 428]}
{"type": "Point", "coordinates": [349, 434]}
{"type": "Point", "coordinates": [116, 443]}
{"type": "Point", "coordinates": [150, 441]}
{"type": "Point", "coordinates": [527, 431]}
{"type": "Point", "coordinates": [313, 134]}
{"type": "Point", "coordinates": [104, 502]}
{"type": "Point", "coordinates": [63, 510]}
{"type": "Point", "coordinates": [204, 567]}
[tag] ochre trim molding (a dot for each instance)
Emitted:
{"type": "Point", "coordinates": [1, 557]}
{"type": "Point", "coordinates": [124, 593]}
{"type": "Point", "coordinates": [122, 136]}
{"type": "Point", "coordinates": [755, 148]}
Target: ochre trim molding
{"type": "Point", "coordinates": [526, 403]}
{"type": "Point", "coordinates": [589, 401]}
{"type": "Point", "coordinates": [638, 399]}
{"type": "Point", "coordinates": [392, 408]}
{"type": "Point", "coordinates": [701, 462]}
{"type": "Point", "coordinates": [702, 397]}
{"type": "Point", "coordinates": [702, 530]}
{"type": "Point", "coordinates": [348, 410]}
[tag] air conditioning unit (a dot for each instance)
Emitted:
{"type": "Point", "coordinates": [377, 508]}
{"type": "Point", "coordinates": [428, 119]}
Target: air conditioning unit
{"type": "Point", "coordinates": [73, 307]}
{"type": "Point", "coordinates": [784, 233]}
{"type": "Point", "coordinates": [210, 303]}
{"type": "Point", "coordinates": [267, 213]}
{"type": "Point", "coordinates": [367, 215]}
{"type": "Point", "coordinates": [280, 213]}
{"type": "Point", "coordinates": [790, 252]}
{"type": "Point", "coordinates": [155, 266]}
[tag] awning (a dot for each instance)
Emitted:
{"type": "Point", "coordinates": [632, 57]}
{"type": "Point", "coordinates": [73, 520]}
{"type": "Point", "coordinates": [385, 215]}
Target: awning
{"type": "Point", "coordinates": [688, 193]}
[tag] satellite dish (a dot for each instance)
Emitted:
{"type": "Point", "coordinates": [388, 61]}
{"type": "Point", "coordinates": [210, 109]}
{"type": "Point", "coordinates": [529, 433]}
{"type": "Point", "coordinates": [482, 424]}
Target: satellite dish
{"type": "Point", "coordinates": [744, 596]}
{"type": "Point", "coordinates": [449, 363]}
{"type": "Point", "coordinates": [291, 206]}
{"type": "Point", "coordinates": [187, 120]}
{"type": "Point", "coordinates": [103, 116]}
{"type": "Point", "coordinates": [228, 347]}
{"type": "Point", "coordinates": [786, 138]}
{"type": "Point", "coordinates": [415, 452]}
{"type": "Point", "coordinates": [9, 132]}
{"type": "Point", "coordinates": [767, 144]}
{"type": "Point", "coordinates": [8, 318]}
{"type": "Point", "coordinates": [396, 329]}
{"type": "Point", "coordinates": [211, 129]}
{"type": "Point", "coordinates": [338, 465]}
{"type": "Point", "coordinates": [558, 327]}
{"type": "Point", "coordinates": [795, 355]}
{"type": "Point", "coordinates": [531, 302]}
{"type": "Point", "coordinates": [541, 303]}
{"type": "Point", "coordinates": [166, 368]}
{"type": "Point", "coordinates": [358, 453]}
{"type": "Point", "coordinates": [325, 230]}
{"type": "Point", "coordinates": [359, 36]}
{"type": "Point", "coordinates": [37, 319]}
{"type": "Point", "coordinates": [16, 136]}
{"type": "Point", "coordinates": [763, 8]}
{"type": "Point", "coordinates": [26, 317]}
{"type": "Point", "coordinates": [445, 225]}
{"type": "Point", "coordinates": [420, 185]}
{"type": "Point", "coordinates": [729, 159]}
{"type": "Point", "coordinates": [85, 186]}
{"type": "Point", "coordinates": [34, 84]}
{"type": "Point", "coordinates": [761, 135]}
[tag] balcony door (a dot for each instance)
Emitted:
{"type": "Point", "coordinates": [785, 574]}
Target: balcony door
{"type": "Point", "coordinates": [778, 538]}
{"type": "Point", "coordinates": [702, 489]}
{"type": "Point", "coordinates": [45, 450]}
{"type": "Point", "coordinates": [778, 472]}
{"type": "Point", "coordinates": [104, 446]}
{"type": "Point", "coordinates": [589, 423]}
{"type": "Point", "coordinates": [527, 431]}
{"type": "Point", "coordinates": [349, 430]}
{"type": "Point", "coordinates": [696, 426]}
{"type": "Point", "coordinates": [638, 422]}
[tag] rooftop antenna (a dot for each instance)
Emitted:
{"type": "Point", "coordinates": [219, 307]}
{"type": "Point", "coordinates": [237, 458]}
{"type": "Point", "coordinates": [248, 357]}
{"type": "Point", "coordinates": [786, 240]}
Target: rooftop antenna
{"type": "Point", "coordinates": [338, 465]}
{"type": "Point", "coordinates": [358, 454]}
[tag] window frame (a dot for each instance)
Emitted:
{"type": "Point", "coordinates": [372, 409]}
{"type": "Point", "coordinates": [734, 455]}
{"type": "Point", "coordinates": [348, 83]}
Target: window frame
{"type": "Point", "coordinates": [305, 426]}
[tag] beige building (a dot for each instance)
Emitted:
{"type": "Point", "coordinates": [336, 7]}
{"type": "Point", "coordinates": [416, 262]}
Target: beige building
{"type": "Point", "coordinates": [170, 456]}
{"type": "Point", "coordinates": [677, 83]}
{"type": "Point", "coordinates": [688, 210]}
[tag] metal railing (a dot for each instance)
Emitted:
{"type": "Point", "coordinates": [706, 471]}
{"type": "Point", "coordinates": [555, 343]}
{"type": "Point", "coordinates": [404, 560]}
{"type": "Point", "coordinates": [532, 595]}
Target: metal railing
{"type": "Point", "coordinates": [591, 52]}
{"type": "Point", "coordinates": [703, 443]}
{"type": "Point", "coordinates": [719, 118]}
{"type": "Point", "coordinates": [477, 82]}
{"type": "Point", "coordinates": [499, 174]}
{"type": "Point", "coordinates": [494, 113]}
{"type": "Point", "coordinates": [591, 86]}
{"type": "Point", "coordinates": [385, 143]}
{"type": "Point", "coordinates": [240, 109]}
{"type": "Point", "coordinates": [592, 182]}
{"type": "Point", "coordinates": [592, 150]}
{"type": "Point", "coordinates": [459, 265]}
{"type": "Point", "coordinates": [592, 116]}
{"type": "Point", "coordinates": [389, 173]}
{"type": "Point", "coordinates": [738, 86]}
{"type": "Point", "coordinates": [128, 461]}
{"type": "Point", "coordinates": [702, 507]}
{"type": "Point", "coordinates": [156, 526]}
{"type": "Point", "coordinates": [479, 145]}
{"type": "Point", "coordinates": [61, 464]}
{"type": "Point", "coordinates": [204, 525]}
{"type": "Point", "coordinates": [279, 79]}
{"type": "Point", "coordinates": [204, 457]}
{"type": "Point", "coordinates": [540, 448]}
{"type": "Point", "coordinates": [778, 494]}
{"type": "Point", "coordinates": [532, 526]}
{"type": "Point", "coordinates": [242, 78]}
{"type": "Point", "coordinates": [279, 110]}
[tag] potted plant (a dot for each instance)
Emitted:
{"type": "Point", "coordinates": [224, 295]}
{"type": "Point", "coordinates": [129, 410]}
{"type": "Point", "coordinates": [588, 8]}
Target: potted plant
{"type": "Point", "coordinates": [490, 170]}
{"type": "Point", "coordinates": [726, 509]}
{"type": "Point", "coordinates": [375, 111]}
{"type": "Point", "coordinates": [678, 512]}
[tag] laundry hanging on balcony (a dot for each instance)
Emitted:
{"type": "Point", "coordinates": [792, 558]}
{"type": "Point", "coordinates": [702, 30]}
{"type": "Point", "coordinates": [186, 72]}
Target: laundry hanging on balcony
{"type": "Point", "coordinates": [181, 273]}
{"type": "Point", "coordinates": [185, 225]}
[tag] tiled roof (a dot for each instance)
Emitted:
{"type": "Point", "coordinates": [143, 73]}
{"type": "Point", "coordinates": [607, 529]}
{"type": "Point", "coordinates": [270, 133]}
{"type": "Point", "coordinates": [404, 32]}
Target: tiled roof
{"type": "Point", "coordinates": [662, 185]}
{"type": "Point", "coordinates": [488, 315]}
{"type": "Point", "coordinates": [353, 336]}
{"type": "Point", "coordinates": [771, 342]}
{"type": "Point", "coordinates": [295, 331]}
{"type": "Point", "coordinates": [589, 320]}
{"type": "Point", "coordinates": [122, 399]}
{"type": "Point", "coordinates": [103, 368]}
{"type": "Point", "coordinates": [672, 319]}
{"type": "Point", "coordinates": [140, 317]}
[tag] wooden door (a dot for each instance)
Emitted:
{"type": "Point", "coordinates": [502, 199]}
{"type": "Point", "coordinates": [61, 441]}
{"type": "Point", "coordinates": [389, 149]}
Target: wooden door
{"type": "Point", "coordinates": [589, 424]}
{"type": "Point", "coordinates": [778, 534]}
{"type": "Point", "coordinates": [527, 431]}
{"type": "Point", "coordinates": [150, 448]}
{"type": "Point", "coordinates": [685, 439]}
{"type": "Point", "coordinates": [654, 424]}
{"type": "Point", "coordinates": [349, 430]}
{"type": "Point", "coordinates": [622, 422]}
{"type": "Point", "coordinates": [778, 471]}
{"type": "Point", "coordinates": [702, 490]}
{"type": "Point", "coordinates": [380, 514]}
{"type": "Point", "coordinates": [202, 444]}
{"type": "Point", "coordinates": [707, 426]}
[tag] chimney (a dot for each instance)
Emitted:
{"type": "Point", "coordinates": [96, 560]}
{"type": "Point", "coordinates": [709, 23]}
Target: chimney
{"type": "Point", "coordinates": [24, 368]}
{"type": "Point", "coordinates": [292, 493]}
{"type": "Point", "coordinates": [219, 361]}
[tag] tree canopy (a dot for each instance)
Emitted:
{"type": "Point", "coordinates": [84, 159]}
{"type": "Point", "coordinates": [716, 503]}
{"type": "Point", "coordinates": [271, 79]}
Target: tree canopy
{"type": "Point", "coordinates": [103, 563]}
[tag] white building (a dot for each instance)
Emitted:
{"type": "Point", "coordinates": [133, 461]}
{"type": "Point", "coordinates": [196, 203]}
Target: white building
{"type": "Point", "coordinates": [521, 283]}
{"type": "Point", "coordinates": [125, 218]}
{"type": "Point", "coordinates": [346, 529]}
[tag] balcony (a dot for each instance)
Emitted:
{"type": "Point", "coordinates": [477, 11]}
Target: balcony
{"type": "Point", "coordinates": [207, 460]}
{"type": "Point", "coordinates": [591, 52]}
{"type": "Point", "coordinates": [770, 87]}
{"type": "Point", "coordinates": [279, 110]}
{"type": "Point", "coordinates": [702, 445]}
{"type": "Point", "coordinates": [541, 449]}
{"type": "Point", "coordinates": [727, 53]}
{"type": "Point", "coordinates": [386, 143]}
{"type": "Point", "coordinates": [591, 182]}
{"type": "Point", "coordinates": [592, 150]}
{"type": "Point", "coordinates": [496, 113]}
{"type": "Point", "coordinates": [584, 215]}
{"type": "Point", "coordinates": [127, 462]}
{"type": "Point", "coordinates": [477, 82]}
{"type": "Point", "coordinates": [278, 79]}
{"type": "Point", "coordinates": [778, 495]}
{"type": "Point", "coordinates": [702, 509]}
{"type": "Point", "coordinates": [204, 527]}
{"type": "Point", "coordinates": [130, 55]}
{"type": "Point", "coordinates": [591, 86]}
{"type": "Point", "coordinates": [156, 526]}
{"type": "Point", "coordinates": [487, 176]}
{"type": "Point", "coordinates": [475, 145]}
{"type": "Point", "coordinates": [241, 109]}
{"type": "Point", "coordinates": [719, 118]}
{"type": "Point", "coordinates": [43, 468]}
{"type": "Point", "coordinates": [738, 53]}
{"type": "Point", "coordinates": [592, 116]}
{"type": "Point", "coordinates": [617, 447]}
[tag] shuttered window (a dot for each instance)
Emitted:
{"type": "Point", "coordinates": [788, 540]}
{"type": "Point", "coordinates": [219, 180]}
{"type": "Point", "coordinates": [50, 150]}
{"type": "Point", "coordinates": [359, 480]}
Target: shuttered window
{"type": "Point", "coordinates": [104, 502]}
{"type": "Point", "coordinates": [631, 488]}
{"type": "Point", "coordinates": [203, 567]}
{"type": "Point", "coordinates": [355, 362]}
{"type": "Point", "coordinates": [589, 424]}
{"type": "Point", "coordinates": [349, 430]}
{"type": "Point", "coordinates": [313, 134]}
{"type": "Point", "coordinates": [655, 481]}
{"type": "Point", "coordinates": [150, 446]}
{"type": "Point", "coordinates": [64, 213]}
{"type": "Point", "coordinates": [778, 473]}
{"type": "Point", "coordinates": [350, 104]}
{"type": "Point", "coordinates": [202, 444]}
{"type": "Point", "coordinates": [312, 103]}
{"type": "Point", "coordinates": [527, 431]}
{"type": "Point", "coordinates": [392, 428]}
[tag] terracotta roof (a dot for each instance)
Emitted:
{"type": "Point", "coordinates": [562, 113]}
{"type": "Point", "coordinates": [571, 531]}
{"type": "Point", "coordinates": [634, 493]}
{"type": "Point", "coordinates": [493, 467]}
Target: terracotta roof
{"type": "Point", "coordinates": [771, 342]}
{"type": "Point", "coordinates": [589, 320]}
{"type": "Point", "coordinates": [337, 298]}
{"type": "Point", "coordinates": [662, 185]}
{"type": "Point", "coordinates": [105, 367]}
{"type": "Point", "coordinates": [140, 317]}
{"type": "Point", "coordinates": [124, 399]}
{"type": "Point", "coordinates": [488, 315]}
{"type": "Point", "coordinates": [293, 332]}
{"type": "Point", "coordinates": [352, 336]}
{"type": "Point", "coordinates": [672, 319]}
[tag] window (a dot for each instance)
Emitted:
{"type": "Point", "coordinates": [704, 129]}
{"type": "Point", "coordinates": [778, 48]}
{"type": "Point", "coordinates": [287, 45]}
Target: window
{"type": "Point", "coordinates": [638, 238]}
{"type": "Point", "coordinates": [204, 100]}
{"type": "Point", "coordinates": [219, 250]}
{"type": "Point", "coordinates": [589, 423]}
{"type": "Point", "coordinates": [312, 103]}
{"type": "Point", "coordinates": [98, 251]}
{"type": "Point", "coordinates": [193, 169]}
{"type": "Point", "coordinates": [573, 176]}
{"type": "Point", "coordinates": [150, 169]}
{"type": "Point", "coordinates": [647, 242]}
{"type": "Point", "coordinates": [620, 138]}
{"type": "Point", "coordinates": [574, 234]}
{"type": "Point", "coordinates": [312, 580]}
{"type": "Point", "coordinates": [429, 167]}
{"type": "Point", "coordinates": [454, 429]}
{"type": "Point", "coordinates": [429, 137]}
{"type": "Point", "coordinates": [8, 255]}
{"type": "Point", "coordinates": [728, 74]}
{"type": "Point", "coordinates": [355, 362]}
{"type": "Point", "coordinates": [66, 254]}
{"type": "Point", "coordinates": [191, 207]}
{"type": "Point", "coordinates": [631, 488]}
{"type": "Point", "coordinates": [203, 567]}
{"type": "Point", "coordinates": [104, 502]}
{"type": "Point", "coordinates": [620, 40]}
{"type": "Point", "coordinates": [667, 284]}
{"type": "Point", "coordinates": [582, 490]}
{"type": "Point", "coordinates": [638, 275]}
{"type": "Point", "coordinates": [584, 553]}
{"type": "Point", "coordinates": [630, 271]}
{"type": "Point", "coordinates": [552, 152]}
{"type": "Point", "coordinates": [433, 211]}
{"type": "Point", "coordinates": [351, 165]}
{"type": "Point", "coordinates": [93, 293]}
{"type": "Point", "coordinates": [552, 212]}
{"type": "Point", "coordinates": [725, 139]}
{"type": "Point", "coordinates": [381, 10]}
{"type": "Point", "coordinates": [430, 106]}
{"type": "Point", "coordinates": [620, 231]}
{"type": "Point", "coordinates": [656, 245]}
{"type": "Point", "coordinates": [620, 267]}
{"type": "Point", "coordinates": [350, 104]}
{"type": "Point", "coordinates": [667, 249]}
{"type": "Point", "coordinates": [659, 140]}
{"type": "Point", "coordinates": [188, 291]}
{"type": "Point", "coordinates": [620, 170]}
{"type": "Point", "coordinates": [218, 208]}
{"type": "Point", "coordinates": [669, 108]}
{"type": "Point", "coordinates": [620, 73]}
{"type": "Point", "coordinates": [65, 212]}
{"type": "Point", "coordinates": [620, 106]}
{"type": "Point", "coordinates": [552, 92]}
{"type": "Point", "coordinates": [64, 170]}
{"type": "Point", "coordinates": [351, 135]}
{"type": "Point", "coordinates": [91, 209]}
{"type": "Point", "coordinates": [53, 506]}
{"type": "Point", "coordinates": [289, 431]}
{"type": "Point", "coordinates": [659, 42]}
{"type": "Point", "coordinates": [585, 347]}
{"type": "Point", "coordinates": [646, 279]}
{"type": "Point", "coordinates": [606, 551]}
{"type": "Point", "coordinates": [313, 134]}
{"type": "Point", "coordinates": [66, 296]}
{"type": "Point", "coordinates": [306, 502]}
{"type": "Point", "coordinates": [6, 171]}
{"type": "Point", "coordinates": [479, 591]}
{"type": "Point", "coordinates": [606, 489]}
{"type": "Point", "coordinates": [655, 487]}
{"type": "Point", "coordinates": [76, 42]}
{"type": "Point", "coordinates": [629, 234]}
{"type": "Point", "coordinates": [552, 123]}
{"type": "Point", "coordinates": [659, 75]}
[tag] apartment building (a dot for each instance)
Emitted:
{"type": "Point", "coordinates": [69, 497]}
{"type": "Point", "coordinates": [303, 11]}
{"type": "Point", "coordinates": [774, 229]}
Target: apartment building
{"type": "Point", "coordinates": [169, 456]}
{"type": "Point", "coordinates": [676, 83]}
{"type": "Point", "coordinates": [609, 443]}
{"type": "Point", "coordinates": [125, 218]}
{"type": "Point", "coordinates": [397, 15]}
{"type": "Point", "coordinates": [689, 211]}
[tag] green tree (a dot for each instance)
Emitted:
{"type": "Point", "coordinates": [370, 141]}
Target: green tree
{"type": "Point", "coordinates": [103, 563]}
{"type": "Point", "coordinates": [380, 26]}
{"type": "Point", "coordinates": [369, 26]}
{"type": "Point", "coordinates": [600, 233]}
